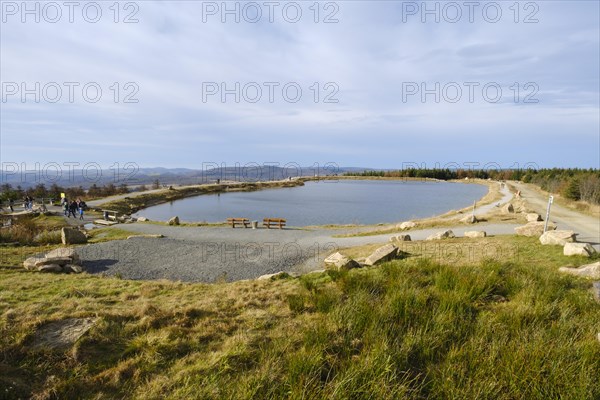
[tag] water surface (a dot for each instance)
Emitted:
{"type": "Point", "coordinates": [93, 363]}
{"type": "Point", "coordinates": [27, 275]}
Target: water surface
{"type": "Point", "coordinates": [327, 202]}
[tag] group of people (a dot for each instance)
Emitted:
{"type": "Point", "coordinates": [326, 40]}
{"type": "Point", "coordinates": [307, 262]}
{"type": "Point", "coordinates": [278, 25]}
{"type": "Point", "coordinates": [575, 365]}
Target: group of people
{"type": "Point", "coordinates": [27, 202]}
{"type": "Point", "coordinates": [74, 207]}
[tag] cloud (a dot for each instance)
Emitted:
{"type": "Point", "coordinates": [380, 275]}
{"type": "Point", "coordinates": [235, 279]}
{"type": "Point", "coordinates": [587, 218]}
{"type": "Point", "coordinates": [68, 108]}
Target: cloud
{"type": "Point", "coordinates": [363, 62]}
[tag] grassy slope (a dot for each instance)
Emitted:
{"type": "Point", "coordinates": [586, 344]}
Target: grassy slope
{"type": "Point", "coordinates": [506, 329]}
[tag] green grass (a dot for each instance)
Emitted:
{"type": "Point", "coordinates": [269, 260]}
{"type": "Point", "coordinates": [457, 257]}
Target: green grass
{"type": "Point", "coordinates": [412, 328]}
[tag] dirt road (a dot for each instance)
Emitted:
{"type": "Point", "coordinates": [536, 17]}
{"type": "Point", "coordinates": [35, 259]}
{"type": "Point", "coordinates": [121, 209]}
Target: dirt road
{"type": "Point", "coordinates": [586, 226]}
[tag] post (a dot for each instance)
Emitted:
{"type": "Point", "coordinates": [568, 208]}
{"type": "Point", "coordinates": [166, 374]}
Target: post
{"type": "Point", "coordinates": [550, 200]}
{"type": "Point", "coordinates": [475, 202]}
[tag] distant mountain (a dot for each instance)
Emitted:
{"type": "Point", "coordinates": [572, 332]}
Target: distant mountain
{"type": "Point", "coordinates": [165, 176]}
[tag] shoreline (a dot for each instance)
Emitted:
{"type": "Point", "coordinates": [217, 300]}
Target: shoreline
{"type": "Point", "coordinates": [131, 205]}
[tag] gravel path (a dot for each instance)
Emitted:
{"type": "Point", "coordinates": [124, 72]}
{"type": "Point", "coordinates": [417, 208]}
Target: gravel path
{"type": "Point", "coordinates": [209, 254]}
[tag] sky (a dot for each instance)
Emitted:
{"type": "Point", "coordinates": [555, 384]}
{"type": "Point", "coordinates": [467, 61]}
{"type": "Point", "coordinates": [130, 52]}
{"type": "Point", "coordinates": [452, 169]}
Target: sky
{"type": "Point", "coordinates": [381, 84]}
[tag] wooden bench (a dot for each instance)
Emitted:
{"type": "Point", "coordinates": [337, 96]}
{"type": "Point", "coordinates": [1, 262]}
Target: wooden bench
{"type": "Point", "coordinates": [238, 221]}
{"type": "Point", "coordinates": [274, 222]}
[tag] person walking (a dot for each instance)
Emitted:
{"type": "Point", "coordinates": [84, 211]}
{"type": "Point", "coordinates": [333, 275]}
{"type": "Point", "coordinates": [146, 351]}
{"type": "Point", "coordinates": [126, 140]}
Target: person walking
{"type": "Point", "coordinates": [10, 205]}
{"type": "Point", "coordinates": [65, 205]}
{"type": "Point", "coordinates": [81, 207]}
{"type": "Point", "coordinates": [72, 209]}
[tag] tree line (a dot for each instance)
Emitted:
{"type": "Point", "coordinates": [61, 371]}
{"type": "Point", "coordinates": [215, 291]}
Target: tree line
{"type": "Point", "coordinates": [572, 183]}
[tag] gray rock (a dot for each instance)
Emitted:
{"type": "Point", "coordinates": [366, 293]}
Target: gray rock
{"type": "Point", "coordinates": [591, 271]}
{"type": "Point", "coordinates": [269, 276]}
{"type": "Point", "coordinates": [441, 235]}
{"type": "Point", "coordinates": [63, 252]}
{"type": "Point", "coordinates": [469, 219]}
{"type": "Point", "coordinates": [30, 263]}
{"type": "Point", "coordinates": [72, 268]}
{"type": "Point", "coordinates": [142, 219]}
{"type": "Point", "coordinates": [340, 261]}
{"type": "Point", "coordinates": [382, 254]}
{"type": "Point", "coordinates": [578, 249]}
{"type": "Point", "coordinates": [400, 238]}
{"type": "Point", "coordinates": [53, 260]}
{"type": "Point", "coordinates": [533, 229]}
{"type": "Point", "coordinates": [475, 234]}
{"type": "Point", "coordinates": [508, 208]}
{"type": "Point", "coordinates": [50, 268]}
{"type": "Point", "coordinates": [558, 237]}
{"type": "Point", "coordinates": [407, 225]}
{"type": "Point", "coordinates": [174, 221]}
{"type": "Point", "coordinates": [533, 217]}
{"type": "Point", "coordinates": [72, 236]}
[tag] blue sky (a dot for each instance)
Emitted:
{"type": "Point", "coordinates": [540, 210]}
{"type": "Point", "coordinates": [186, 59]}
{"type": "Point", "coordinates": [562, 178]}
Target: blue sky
{"type": "Point", "coordinates": [371, 57]}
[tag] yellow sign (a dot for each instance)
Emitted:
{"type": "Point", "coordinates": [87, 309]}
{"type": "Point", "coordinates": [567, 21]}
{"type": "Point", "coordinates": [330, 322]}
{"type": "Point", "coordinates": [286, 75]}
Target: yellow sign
{"type": "Point", "coordinates": [62, 195]}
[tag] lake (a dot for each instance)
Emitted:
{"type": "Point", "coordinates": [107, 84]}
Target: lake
{"type": "Point", "coordinates": [327, 202]}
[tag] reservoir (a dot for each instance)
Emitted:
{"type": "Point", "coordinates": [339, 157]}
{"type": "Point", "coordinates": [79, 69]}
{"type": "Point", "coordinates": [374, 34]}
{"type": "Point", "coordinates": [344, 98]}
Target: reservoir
{"type": "Point", "coordinates": [327, 202]}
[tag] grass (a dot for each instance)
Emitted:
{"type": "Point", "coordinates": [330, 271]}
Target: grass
{"type": "Point", "coordinates": [415, 328]}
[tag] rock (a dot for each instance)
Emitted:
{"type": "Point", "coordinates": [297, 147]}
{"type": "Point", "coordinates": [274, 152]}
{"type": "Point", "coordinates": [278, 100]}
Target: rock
{"type": "Point", "coordinates": [591, 271]}
{"type": "Point", "coordinates": [72, 236]}
{"type": "Point", "coordinates": [407, 225]}
{"type": "Point", "coordinates": [50, 268]}
{"type": "Point", "coordinates": [557, 237]}
{"type": "Point", "coordinates": [382, 254]}
{"type": "Point", "coordinates": [146, 236]}
{"type": "Point", "coordinates": [596, 291]}
{"type": "Point", "coordinates": [76, 269]}
{"type": "Point", "coordinates": [142, 219]}
{"type": "Point", "coordinates": [29, 264]}
{"type": "Point", "coordinates": [339, 261]}
{"type": "Point", "coordinates": [63, 252]}
{"type": "Point", "coordinates": [475, 234]}
{"type": "Point", "coordinates": [469, 219]}
{"type": "Point", "coordinates": [441, 235]}
{"type": "Point", "coordinates": [508, 208]}
{"type": "Point", "coordinates": [174, 221]}
{"type": "Point", "coordinates": [533, 217]}
{"type": "Point", "coordinates": [61, 334]}
{"type": "Point", "coordinates": [532, 229]}
{"type": "Point", "coordinates": [400, 238]}
{"type": "Point", "coordinates": [53, 260]}
{"type": "Point", "coordinates": [269, 276]}
{"type": "Point", "coordinates": [578, 249]}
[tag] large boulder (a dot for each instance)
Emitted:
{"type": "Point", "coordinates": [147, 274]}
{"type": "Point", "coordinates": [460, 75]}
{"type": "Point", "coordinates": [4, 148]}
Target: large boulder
{"type": "Point", "coordinates": [400, 238]}
{"type": "Point", "coordinates": [63, 252]}
{"type": "Point", "coordinates": [578, 249]}
{"type": "Point", "coordinates": [475, 234]}
{"type": "Point", "coordinates": [533, 229]}
{"type": "Point", "coordinates": [382, 254]}
{"type": "Point", "coordinates": [441, 235]}
{"type": "Point", "coordinates": [72, 236]}
{"type": "Point", "coordinates": [142, 219]}
{"type": "Point", "coordinates": [533, 217]}
{"type": "Point", "coordinates": [174, 221]}
{"type": "Point", "coordinates": [591, 271]}
{"type": "Point", "coordinates": [407, 225]}
{"type": "Point", "coordinates": [557, 237]}
{"type": "Point", "coordinates": [508, 208]}
{"type": "Point", "coordinates": [469, 219]}
{"type": "Point", "coordinates": [340, 261]}
{"type": "Point", "coordinates": [62, 257]}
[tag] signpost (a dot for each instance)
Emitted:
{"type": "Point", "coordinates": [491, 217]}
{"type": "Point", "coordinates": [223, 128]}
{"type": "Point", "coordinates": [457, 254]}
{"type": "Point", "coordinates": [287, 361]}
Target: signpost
{"type": "Point", "coordinates": [550, 200]}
